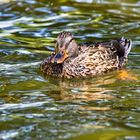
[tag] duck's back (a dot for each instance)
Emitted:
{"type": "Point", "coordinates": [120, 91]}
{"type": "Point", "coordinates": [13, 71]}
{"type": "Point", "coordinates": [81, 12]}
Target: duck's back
{"type": "Point", "coordinates": [97, 58]}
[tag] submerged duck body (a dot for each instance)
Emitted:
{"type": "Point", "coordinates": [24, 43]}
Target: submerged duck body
{"type": "Point", "coordinates": [86, 59]}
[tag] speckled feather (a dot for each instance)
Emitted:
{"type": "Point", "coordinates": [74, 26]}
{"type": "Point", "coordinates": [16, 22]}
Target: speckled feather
{"type": "Point", "coordinates": [92, 59]}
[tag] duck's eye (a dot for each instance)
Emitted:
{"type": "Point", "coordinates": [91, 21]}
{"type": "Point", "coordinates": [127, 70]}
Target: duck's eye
{"type": "Point", "coordinates": [62, 52]}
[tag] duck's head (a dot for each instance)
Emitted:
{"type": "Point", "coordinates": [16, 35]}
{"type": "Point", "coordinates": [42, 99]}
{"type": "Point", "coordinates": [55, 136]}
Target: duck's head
{"type": "Point", "coordinates": [66, 47]}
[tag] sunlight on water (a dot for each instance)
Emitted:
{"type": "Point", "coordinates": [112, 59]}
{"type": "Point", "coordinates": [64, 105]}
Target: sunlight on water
{"type": "Point", "coordinates": [33, 105]}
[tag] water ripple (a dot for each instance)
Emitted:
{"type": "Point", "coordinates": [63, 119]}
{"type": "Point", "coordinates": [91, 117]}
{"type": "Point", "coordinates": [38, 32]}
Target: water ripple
{"type": "Point", "coordinates": [36, 106]}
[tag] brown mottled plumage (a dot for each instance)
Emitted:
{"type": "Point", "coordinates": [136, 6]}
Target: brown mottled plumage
{"type": "Point", "coordinates": [86, 59]}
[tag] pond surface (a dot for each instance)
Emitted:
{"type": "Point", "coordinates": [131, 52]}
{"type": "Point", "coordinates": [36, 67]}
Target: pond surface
{"type": "Point", "coordinates": [36, 107]}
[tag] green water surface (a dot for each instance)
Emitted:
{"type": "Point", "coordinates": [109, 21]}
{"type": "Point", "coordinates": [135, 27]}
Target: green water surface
{"type": "Point", "coordinates": [33, 106]}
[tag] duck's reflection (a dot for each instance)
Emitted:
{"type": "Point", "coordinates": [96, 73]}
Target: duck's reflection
{"type": "Point", "coordinates": [101, 88]}
{"type": "Point", "coordinates": [96, 88]}
{"type": "Point", "coordinates": [83, 89]}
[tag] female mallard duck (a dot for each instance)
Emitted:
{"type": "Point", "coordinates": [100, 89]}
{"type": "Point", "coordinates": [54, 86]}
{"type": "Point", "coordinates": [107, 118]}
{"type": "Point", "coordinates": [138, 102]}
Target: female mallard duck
{"type": "Point", "coordinates": [87, 59]}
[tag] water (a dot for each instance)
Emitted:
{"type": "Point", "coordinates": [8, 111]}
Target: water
{"type": "Point", "coordinates": [33, 106]}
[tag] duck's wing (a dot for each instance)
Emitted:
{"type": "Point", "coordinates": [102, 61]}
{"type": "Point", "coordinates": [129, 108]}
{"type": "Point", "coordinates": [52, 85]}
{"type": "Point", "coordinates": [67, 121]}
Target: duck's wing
{"type": "Point", "coordinates": [117, 47]}
{"type": "Point", "coordinates": [122, 46]}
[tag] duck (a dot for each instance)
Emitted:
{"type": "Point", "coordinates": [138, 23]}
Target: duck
{"type": "Point", "coordinates": [75, 60]}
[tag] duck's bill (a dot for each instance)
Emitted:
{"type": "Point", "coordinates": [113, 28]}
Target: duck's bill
{"type": "Point", "coordinates": [59, 58]}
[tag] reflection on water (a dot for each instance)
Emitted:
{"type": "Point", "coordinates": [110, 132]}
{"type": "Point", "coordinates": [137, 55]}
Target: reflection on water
{"type": "Point", "coordinates": [83, 90]}
{"type": "Point", "coordinates": [36, 106]}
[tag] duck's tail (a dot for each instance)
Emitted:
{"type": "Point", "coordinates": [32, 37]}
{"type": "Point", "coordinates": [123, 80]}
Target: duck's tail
{"type": "Point", "coordinates": [126, 44]}
{"type": "Point", "coordinates": [123, 50]}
